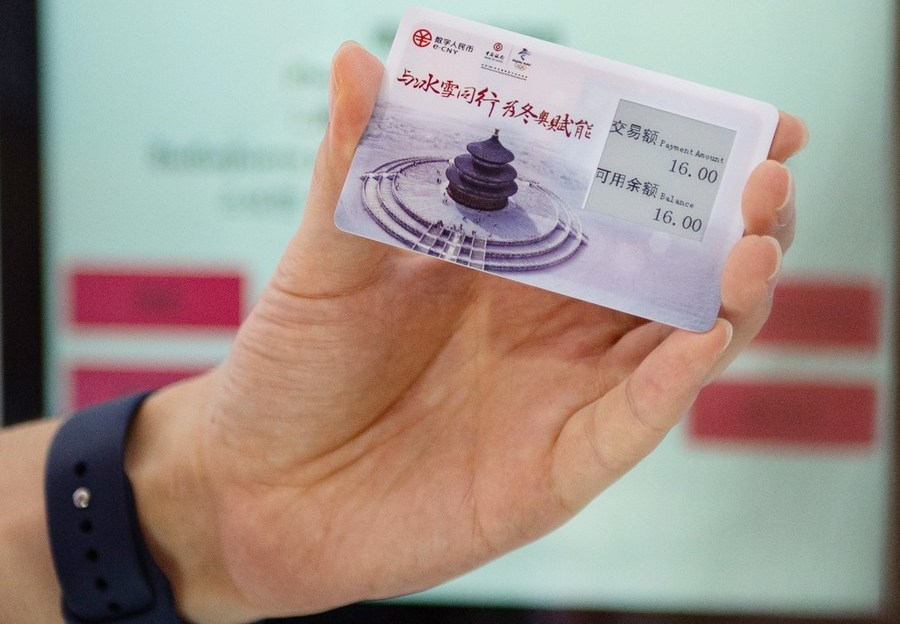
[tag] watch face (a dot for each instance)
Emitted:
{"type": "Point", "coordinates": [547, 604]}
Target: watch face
{"type": "Point", "coordinates": [555, 168]}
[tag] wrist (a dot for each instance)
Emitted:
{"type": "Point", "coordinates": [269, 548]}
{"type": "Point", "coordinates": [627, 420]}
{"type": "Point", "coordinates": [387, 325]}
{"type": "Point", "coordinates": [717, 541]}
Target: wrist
{"type": "Point", "coordinates": [176, 509]}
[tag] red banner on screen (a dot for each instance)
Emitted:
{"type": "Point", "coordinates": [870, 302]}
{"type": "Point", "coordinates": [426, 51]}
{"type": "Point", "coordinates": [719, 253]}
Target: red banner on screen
{"type": "Point", "coordinates": [803, 413]}
{"type": "Point", "coordinates": [164, 299]}
{"type": "Point", "coordinates": [95, 384]}
{"type": "Point", "coordinates": [825, 314]}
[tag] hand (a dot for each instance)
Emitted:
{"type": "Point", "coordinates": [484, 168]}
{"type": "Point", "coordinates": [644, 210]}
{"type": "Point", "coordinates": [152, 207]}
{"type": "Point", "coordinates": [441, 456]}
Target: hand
{"type": "Point", "coordinates": [386, 421]}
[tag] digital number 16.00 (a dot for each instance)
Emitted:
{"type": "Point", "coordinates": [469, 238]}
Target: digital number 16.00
{"type": "Point", "coordinates": [688, 223]}
{"type": "Point", "coordinates": [704, 174]}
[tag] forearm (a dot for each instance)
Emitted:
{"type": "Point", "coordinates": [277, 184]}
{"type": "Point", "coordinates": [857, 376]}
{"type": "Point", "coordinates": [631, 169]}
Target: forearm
{"type": "Point", "coordinates": [29, 591]}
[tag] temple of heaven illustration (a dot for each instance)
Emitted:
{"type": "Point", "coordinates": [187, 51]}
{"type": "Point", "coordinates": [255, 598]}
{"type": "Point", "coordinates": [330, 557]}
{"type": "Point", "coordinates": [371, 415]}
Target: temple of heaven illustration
{"type": "Point", "coordinates": [483, 179]}
{"type": "Point", "coordinates": [473, 209]}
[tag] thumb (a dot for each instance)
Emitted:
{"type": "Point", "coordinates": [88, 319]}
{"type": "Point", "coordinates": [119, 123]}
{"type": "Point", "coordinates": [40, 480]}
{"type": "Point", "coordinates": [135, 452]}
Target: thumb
{"type": "Point", "coordinates": [605, 439]}
{"type": "Point", "coordinates": [321, 260]}
{"type": "Point", "coordinates": [355, 78]}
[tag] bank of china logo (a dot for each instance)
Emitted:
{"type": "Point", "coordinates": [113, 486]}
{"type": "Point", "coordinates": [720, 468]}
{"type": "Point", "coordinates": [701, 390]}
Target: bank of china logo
{"type": "Point", "coordinates": [422, 37]}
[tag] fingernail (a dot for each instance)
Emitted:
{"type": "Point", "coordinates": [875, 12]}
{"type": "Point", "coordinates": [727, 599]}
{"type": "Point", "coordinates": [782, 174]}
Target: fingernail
{"type": "Point", "coordinates": [785, 212]}
{"type": "Point", "coordinates": [773, 278]}
{"type": "Point", "coordinates": [333, 86]}
{"type": "Point", "coordinates": [729, 332]}
{"type": "Point", "coordinates": [331, 92]}
{"type": "Point", "coordinates": [805, 140]}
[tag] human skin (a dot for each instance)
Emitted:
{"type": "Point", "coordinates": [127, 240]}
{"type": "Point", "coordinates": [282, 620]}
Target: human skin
{"type": "Point", "coordinates": [386, 421]}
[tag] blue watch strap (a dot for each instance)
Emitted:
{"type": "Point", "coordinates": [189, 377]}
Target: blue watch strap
{"type": "Point", "coordinates": [106, 573]}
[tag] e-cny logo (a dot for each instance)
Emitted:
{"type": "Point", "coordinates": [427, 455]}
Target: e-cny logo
{"type": "Point", "coordinates": [422, 37]}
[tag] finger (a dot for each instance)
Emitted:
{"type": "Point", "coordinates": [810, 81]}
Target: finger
{"type": "Point", "coordinates": [748, 283]}
{"type": "Point", "coordinates": [322, 261]}
{"type": "Point", "coordinates": [604, 440]}
{"type": "Point", "coordinates": [355, 78]}
{"type": "Point", "coordinates": [632, 348]}
{"type": "Point", "coordinates": [768, 203]}
{"type": "Point", "coordinates": [791, 136]}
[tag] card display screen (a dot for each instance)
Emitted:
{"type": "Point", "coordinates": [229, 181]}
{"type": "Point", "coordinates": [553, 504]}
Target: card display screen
{"type": "Point", "coordinates": [660, 170]}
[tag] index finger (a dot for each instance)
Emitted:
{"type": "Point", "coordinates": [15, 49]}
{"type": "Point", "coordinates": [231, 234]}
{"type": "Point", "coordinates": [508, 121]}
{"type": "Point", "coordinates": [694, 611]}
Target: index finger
{"type": "Point", "coordinates": [791, 136]}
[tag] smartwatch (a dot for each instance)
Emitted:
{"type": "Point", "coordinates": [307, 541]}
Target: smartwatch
{"type": "Point", "coordinates": [105, 570]}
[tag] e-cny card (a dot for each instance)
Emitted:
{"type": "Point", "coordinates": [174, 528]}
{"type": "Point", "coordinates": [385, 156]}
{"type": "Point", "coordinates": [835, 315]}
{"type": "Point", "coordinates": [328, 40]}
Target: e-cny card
{"type": "Point", "coordinates": [566, 171]}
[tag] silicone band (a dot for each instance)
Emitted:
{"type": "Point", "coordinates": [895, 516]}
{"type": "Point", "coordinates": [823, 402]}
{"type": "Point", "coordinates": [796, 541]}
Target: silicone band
{"type": "Point", "coordinates": [105, 570]}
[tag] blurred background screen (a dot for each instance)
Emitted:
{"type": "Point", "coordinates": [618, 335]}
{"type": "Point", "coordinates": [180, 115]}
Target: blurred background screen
{"type": "Point", "coordinates": [176, 146]}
